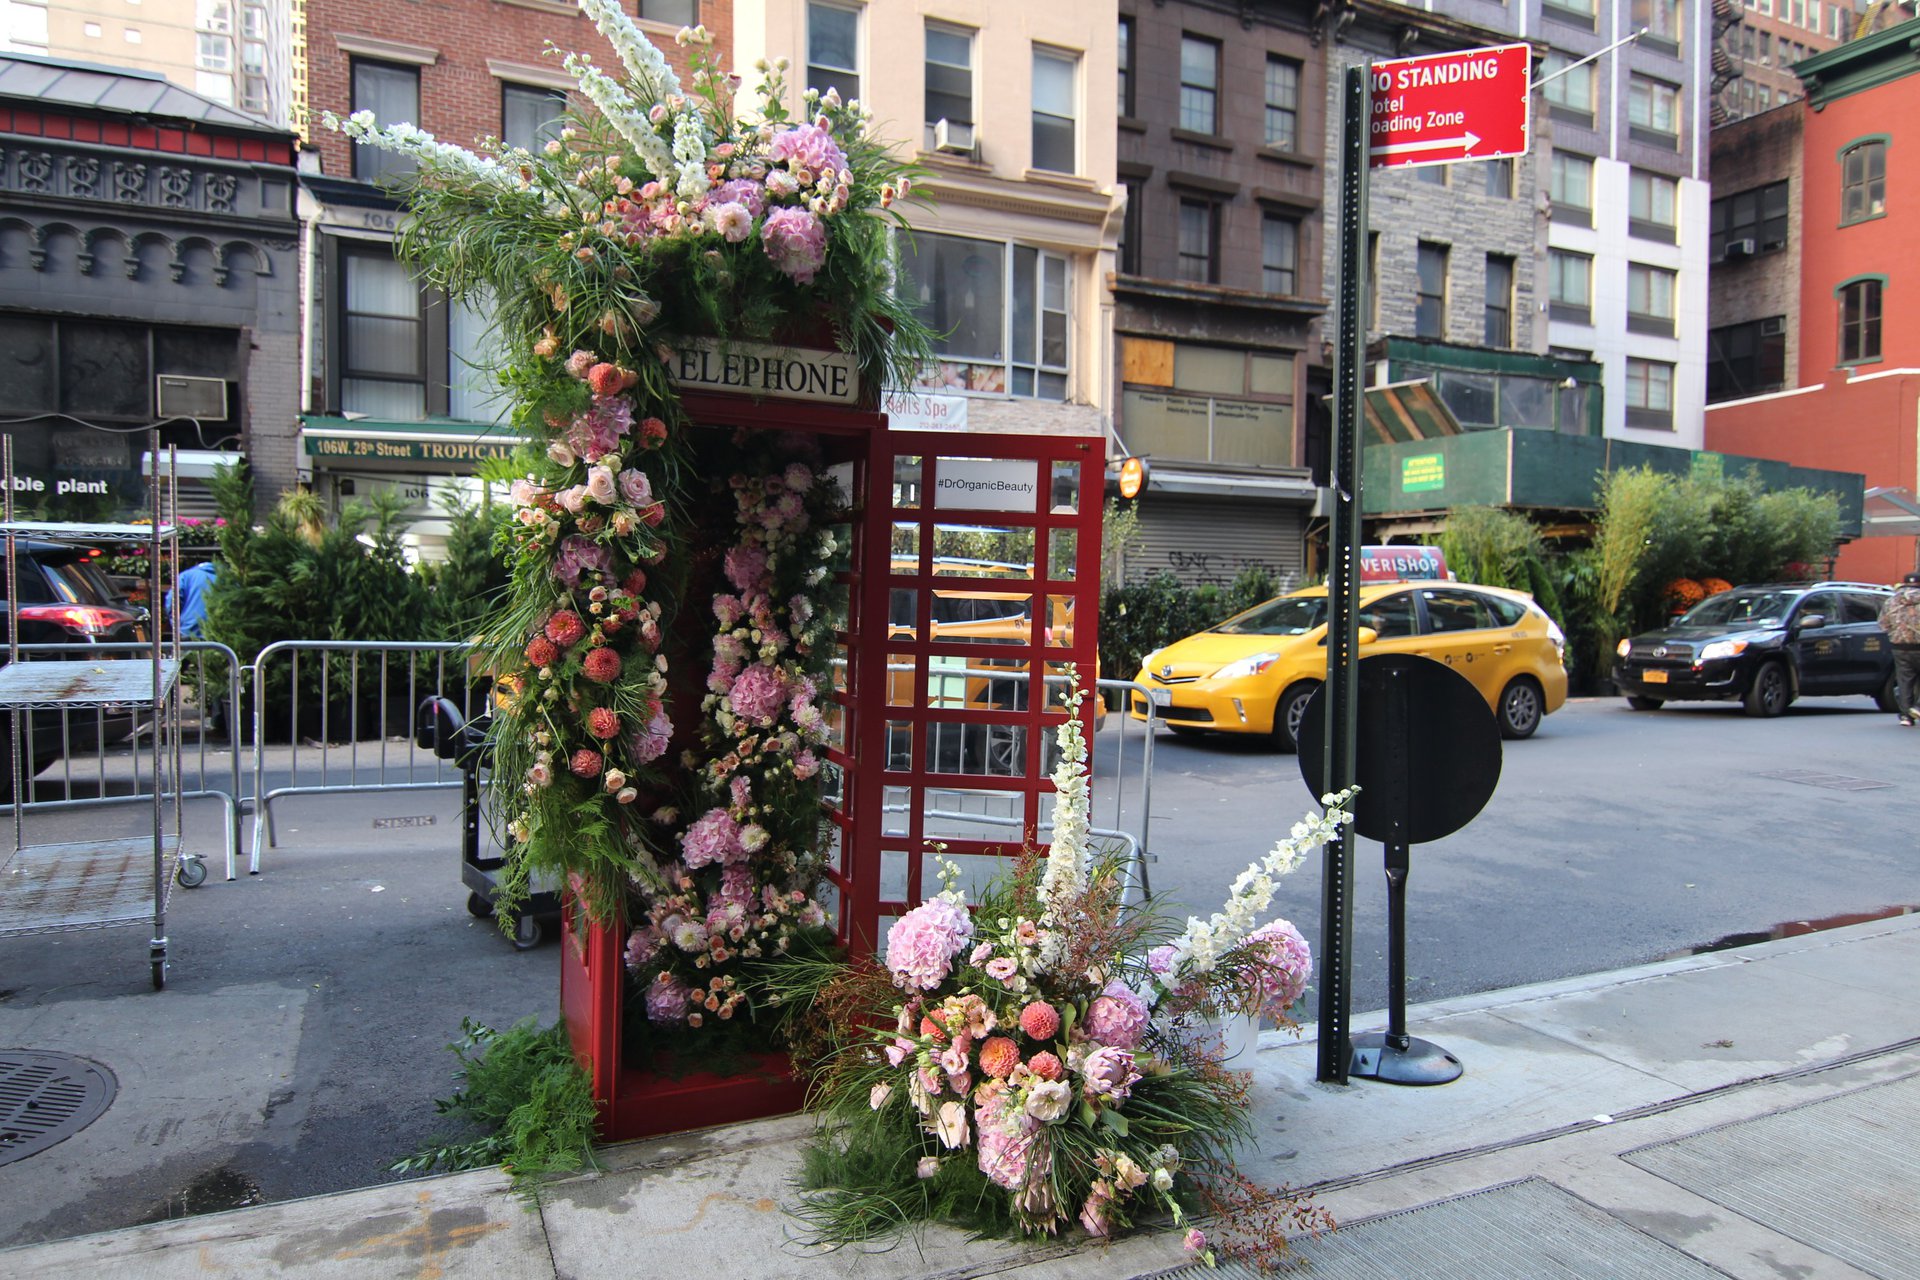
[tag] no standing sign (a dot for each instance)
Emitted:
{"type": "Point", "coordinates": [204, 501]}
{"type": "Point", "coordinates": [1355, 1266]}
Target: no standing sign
{"type": "Point", "coordinates": [1472, 104]}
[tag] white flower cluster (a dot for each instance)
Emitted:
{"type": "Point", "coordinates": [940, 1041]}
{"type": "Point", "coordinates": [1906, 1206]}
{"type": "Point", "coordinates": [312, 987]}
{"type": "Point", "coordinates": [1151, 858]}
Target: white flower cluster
{"type": "Point", "coordinates": [436, 156]}
{"type": "Point", "coordinates": [1198, 950]}
{"type": "Point", "coordinates": [643, 60]}
{"type": "Point", "coordinates": [690, 155]}
{"type": "Point", "coordinates": [1065, 875]}
{"type": "Point", "coordinates": [627, 116]}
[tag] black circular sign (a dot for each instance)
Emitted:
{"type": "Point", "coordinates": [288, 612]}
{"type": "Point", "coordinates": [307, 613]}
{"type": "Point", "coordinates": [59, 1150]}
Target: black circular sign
{"type": "Point", "coordinates": [1427, 756]}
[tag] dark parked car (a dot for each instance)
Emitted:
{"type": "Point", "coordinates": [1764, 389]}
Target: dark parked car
{"type": "Point", "coordinates": [66, 599]}
{"type": "Point", "coordinates": [1764, 646]}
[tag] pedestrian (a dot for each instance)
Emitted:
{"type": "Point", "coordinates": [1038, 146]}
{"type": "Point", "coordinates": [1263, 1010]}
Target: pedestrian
{"type": "Point", "coordinates": [1900, 619]}
{"type": "Point", "coordinates": [195, 580]}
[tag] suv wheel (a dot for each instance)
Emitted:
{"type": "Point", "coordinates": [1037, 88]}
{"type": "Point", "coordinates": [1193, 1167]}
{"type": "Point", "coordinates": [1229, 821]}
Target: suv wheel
{"type": "Point", "coordinates": [1639, 703]}
{"type": "Point", "coordinates": [1288, 713]}
{"type": "Point", "coordinates": [1520, 711]}
{"type": "Point", "coordinates": [1770, 693]}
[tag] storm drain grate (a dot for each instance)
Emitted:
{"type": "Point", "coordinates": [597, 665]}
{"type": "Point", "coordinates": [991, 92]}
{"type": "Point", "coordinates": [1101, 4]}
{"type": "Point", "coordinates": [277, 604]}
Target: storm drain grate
{"type": "Point", "coordinates": [46, 1098]}
{"type": "Point", "coordinates": [1840, 1174]}
{"type": "Point", "coordinates": [1830, 781]}
{"type": "Point", "coordinates": [1528, 1230]}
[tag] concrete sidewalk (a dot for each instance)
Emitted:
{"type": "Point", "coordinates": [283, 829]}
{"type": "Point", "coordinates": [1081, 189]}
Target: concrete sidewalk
{"type": "Point", "coordinates": [1747, 1113]}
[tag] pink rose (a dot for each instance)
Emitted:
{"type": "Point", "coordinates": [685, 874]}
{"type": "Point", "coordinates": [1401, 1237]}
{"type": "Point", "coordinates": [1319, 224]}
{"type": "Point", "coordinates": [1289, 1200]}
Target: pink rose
{"type": "Point", "coordinates": [635, 487]}
{"type": "Point", "coordinates": [600, 486]}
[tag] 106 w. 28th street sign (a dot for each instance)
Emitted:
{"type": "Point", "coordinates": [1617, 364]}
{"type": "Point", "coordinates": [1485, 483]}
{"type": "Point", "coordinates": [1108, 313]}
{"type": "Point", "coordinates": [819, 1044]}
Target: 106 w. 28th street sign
{"type": "Point", "coordinates": [1468, 105]}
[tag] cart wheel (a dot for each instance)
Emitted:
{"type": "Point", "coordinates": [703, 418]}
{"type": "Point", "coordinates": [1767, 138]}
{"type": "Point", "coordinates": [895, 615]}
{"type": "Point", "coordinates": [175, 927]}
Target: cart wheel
{"type": "Point", "coordinates": [159, 975]}
{"type": "Point", "coordinates": [478, 907]}
{"type": "Point", "coordinates": [191, 873]}
{"type": "Point", "coordinates": [528, 933]}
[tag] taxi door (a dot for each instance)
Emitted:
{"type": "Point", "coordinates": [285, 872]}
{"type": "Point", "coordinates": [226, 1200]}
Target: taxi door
{"type": "Point", "coordinates": [1458, 629]}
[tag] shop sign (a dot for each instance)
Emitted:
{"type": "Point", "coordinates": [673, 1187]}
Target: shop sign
{"type": "Point", "coordinates": [787, 373]}
{"type": "Point", "coordinates": [376, 448]}
{"type": "Point", "coordinates": [62, 486]}
{"type": "Point", "coordinates": [1400, 564]}
{"type": "Point", "coordinates": [980, 484]}
{"type": "Point", "coordinates": [919, 411]}
{"type": "Point", "coordinates": [1422, 472]}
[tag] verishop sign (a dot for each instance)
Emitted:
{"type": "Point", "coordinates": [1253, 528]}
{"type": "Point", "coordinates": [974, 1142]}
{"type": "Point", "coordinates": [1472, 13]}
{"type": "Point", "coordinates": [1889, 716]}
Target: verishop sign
{"type": "Point", "coordinates": [823, 377]}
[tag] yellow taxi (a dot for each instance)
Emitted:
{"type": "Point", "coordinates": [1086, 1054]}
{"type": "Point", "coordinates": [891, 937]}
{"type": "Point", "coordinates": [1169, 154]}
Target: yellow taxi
{"type": "Point", "coordinates": [1255, 672]}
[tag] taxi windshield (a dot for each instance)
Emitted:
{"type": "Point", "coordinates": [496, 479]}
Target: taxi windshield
{"type": "Point", "coordinates": [1742, 609]}
{"type": "Point", "coordinates": [1287, 616]}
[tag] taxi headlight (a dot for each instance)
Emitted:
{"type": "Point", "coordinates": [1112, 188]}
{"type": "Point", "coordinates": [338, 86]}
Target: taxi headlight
{"type": "Point", "coordinates": [1247, 666]}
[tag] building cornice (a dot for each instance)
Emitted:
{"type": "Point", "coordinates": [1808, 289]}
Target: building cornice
{"type": "Point", "coordinates": [385, 50]}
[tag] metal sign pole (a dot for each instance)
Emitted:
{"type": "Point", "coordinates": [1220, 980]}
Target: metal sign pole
{"type": "Point", "coordinates": [1343, 574]}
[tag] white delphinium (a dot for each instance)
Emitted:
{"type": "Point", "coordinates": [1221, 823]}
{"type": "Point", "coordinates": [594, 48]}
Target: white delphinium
{"type": "Point", "coordinates": [434, 155]}
{"type": "Point", "coordinates": [690, 156]}
{"type": "Point", "coordinates": [626, 115]}
{"type": "Point", "coordinates": [1064, 878]}
{"type": "Point", "coordinates": [1198, 950]}
{"type": "Point", "coordinates": [642, 58]}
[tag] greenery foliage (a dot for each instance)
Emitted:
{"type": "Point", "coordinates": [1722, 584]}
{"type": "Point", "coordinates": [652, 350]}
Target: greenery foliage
{"type": "Point", "coordinates": [1137, 618]}
{"type": "Point", "coordinates": [1500, 548]}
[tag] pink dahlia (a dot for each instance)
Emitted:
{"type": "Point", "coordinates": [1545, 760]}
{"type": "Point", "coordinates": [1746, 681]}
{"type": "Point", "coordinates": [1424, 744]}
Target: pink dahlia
{"type": "Point", "coordinates": [666, 999]}
{"type": "Point", "coordinates": [796, 241]}
{"type": "Point", "coordinates": [759, 694]}
{"type": "Point", "coordinates": [585, 763]}
{"type": "Point", "coordinates": [1117, 1016]}
{"type": "Point", "coordinates": [999, 1056]}
{"type": "Point", "coordinates": [921, 944]}
{"type": "Point", "coordinates": [565, 629]}
{"type": "Point", "coordinates": [601, 665]}
{"type": "Point", "coordinates": [605, 379]}
{"type": "Point", "coordinates": [1040, 1020]}
{"type": "Point", "coordinates": [714, 838]}
{"type": "Point", "coordinates": [1045, 1065]}
{"type": "Point", "coordinates": [652, 431]}
{"type": "Point", "coordinates": [541, 652]}
{"type": "Point", "coordinates": [603, 723]}
{"type": "Point", "coordinates": [1284, 966]}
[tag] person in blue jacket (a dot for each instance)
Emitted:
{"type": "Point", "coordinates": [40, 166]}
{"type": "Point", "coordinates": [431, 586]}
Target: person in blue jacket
{"type": "Point", "coordinates": [195, 582]}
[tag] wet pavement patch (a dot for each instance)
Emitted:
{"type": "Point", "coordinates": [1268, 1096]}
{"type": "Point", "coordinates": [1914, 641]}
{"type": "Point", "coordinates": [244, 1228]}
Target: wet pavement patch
{"type": "Point", "coordinates": [1793, 929]}
{"type": "Point", "coordinates": [46, 1098]}
{"type": "Point", "coordinates": [211, 1192]}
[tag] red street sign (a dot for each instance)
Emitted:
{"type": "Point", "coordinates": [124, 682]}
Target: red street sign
{"type": "Point", "coordinates": [1471, 104]}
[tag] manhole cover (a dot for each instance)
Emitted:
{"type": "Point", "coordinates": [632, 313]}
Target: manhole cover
{"type": "Point", "coordinates": [47, 1097]}
{"type": "Point", "coordinates": [1830, 781]}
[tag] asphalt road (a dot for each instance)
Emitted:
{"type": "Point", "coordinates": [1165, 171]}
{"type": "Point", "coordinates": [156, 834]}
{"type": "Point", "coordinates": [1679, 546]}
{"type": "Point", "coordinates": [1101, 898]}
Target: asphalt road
{"type": "Point", "coordinates": [301, 1043]}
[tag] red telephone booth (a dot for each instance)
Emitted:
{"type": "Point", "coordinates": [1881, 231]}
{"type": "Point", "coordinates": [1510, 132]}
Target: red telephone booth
{"type": "Point", "coordinates": [950, 684]}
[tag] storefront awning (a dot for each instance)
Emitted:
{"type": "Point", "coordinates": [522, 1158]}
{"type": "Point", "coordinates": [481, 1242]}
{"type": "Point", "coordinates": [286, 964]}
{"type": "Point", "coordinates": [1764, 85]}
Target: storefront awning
{"type": "Point", "coordinates": [1405, 411]}
{"type": "Point", "coordinates": [434, 443]}
{"type": "Point", "coordinates": [1889, 512]}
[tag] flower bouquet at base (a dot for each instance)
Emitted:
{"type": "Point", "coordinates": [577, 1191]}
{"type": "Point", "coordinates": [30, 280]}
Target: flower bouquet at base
{"type": "Point", "coordinates": [1040, 1058]}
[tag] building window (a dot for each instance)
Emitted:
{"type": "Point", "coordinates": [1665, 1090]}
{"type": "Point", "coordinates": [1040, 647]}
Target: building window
{"type": "Point", "coordinates": [1649, 393]}
{"type": "Point", "coordinates": [1653, 106]}
{"type": "Point", "coordinates": [1499, 175]}
{"type": "Point", "coordinates": [676, 13]}
{"type": "Point", "coordinates": [1126, 66]}
{"type": "Point", "coordinates": [1199, 84]}
{"type": "Point", "coordinates": [1571, 188]}
{"type": "Point", "coordinates": [1572, 93]}
{"type": "Point", "coordinates": [1748, 222]}
{"type": "Point", "coordinates": [1199, 241]}
{"type": "Point", "coordinates": [1651, 199]}
{"type": "Point", "coordinates": [1434, 175]}
{"type": "Point", "coordinates": [530, 116]}
{"type": "Point", "coordinates": [1208, 404]}
{"type": "Point", "coordinates": [213, 15]}
{"type": "Point", "coordinates": [1279, 255]}
{"type": "Point", "coordinates": [392, 93]}
{"type": "Point", "coordinates": [1661, 18]}
{"type": "Point", "coordinates": [1746, 359]}
{"type": "Point", "coordinates": [1860, 320]}
{"type": "Point", "coordinates": [1649, 299]}
{"type": "Point", "coordinates": [1499, 331]}
{"type": "Point", "coordinates": [1575, 8]}
{"type": "Point", "coordinates": [1053, 114]}
{"type": "Point", "coordinates": [1570, 286]}
{"type": "Point", "coordinates": [1130, 229]}
{"type": "Point", "coordinates": [1430, 305]}
{"type": "Point", "coordinates": [382, 351]}
{"type": "Point", "coordinates": [103, 371]}
{"type": "Point", "coordinates": [1001, 312]}
{"type": "Point", "coordinates": [949, 75]}
{"type": "Point", "coordinates": [1863, 181]}
{"type": "Point", "coordinates": [1283, 104]}
{"type": "Point", "coordinates": [833, 49]}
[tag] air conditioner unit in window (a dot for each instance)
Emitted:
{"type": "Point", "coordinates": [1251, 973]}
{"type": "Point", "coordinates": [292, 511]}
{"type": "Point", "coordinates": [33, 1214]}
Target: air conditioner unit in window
{"type": "Point", "coordinates": [176, 396]}
{"type": "Point", "coordinates": [955, 139]}
{"type": "Point", "coordinates": [1741, 248]}
{"type": "Point", "coordinates": [1773, 326]}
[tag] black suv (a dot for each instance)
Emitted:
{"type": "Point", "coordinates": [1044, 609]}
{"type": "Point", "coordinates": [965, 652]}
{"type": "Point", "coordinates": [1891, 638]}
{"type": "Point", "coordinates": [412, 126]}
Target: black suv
{"type": "Point", "coordinates": [1765, 646]}
{"type": "Point", "coordinates": [65, 599]}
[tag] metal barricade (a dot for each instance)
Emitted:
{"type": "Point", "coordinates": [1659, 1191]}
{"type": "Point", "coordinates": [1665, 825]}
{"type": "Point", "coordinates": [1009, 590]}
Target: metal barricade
{"type": "Point", "coordinates": [95, 769]}
{"type": "Point", "coordinates": [361, 687]}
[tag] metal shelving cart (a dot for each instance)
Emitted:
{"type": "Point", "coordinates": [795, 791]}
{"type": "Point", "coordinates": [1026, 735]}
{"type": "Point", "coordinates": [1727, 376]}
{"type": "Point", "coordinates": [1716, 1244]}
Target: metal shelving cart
{"type": "Point", "coordinates": [111, 882]}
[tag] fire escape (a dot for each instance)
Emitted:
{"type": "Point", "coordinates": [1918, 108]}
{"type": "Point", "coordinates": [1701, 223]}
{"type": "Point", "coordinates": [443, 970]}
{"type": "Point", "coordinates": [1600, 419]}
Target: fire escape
{"type": "Point", "coordinates": [1727, 14]}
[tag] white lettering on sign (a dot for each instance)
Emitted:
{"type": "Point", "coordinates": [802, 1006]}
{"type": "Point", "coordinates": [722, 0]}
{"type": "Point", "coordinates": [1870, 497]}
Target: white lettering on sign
{"type": "Point", "coordinates": [918, 411]}
{"type": "Point", "coordinates": [980, 484]}
{"type": "Point", "coordinates": [33, 484]}
{"type": "Point", "coordinates": [1392, 564]}
{"type": "Point", "coordinates": [785, 372]}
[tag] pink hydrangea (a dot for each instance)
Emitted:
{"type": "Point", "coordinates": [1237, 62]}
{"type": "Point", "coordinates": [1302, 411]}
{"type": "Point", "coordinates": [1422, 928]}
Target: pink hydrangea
{"type": "Point", "coordinates": [759, 694]}
{"type": "Point", "coordinates": [1117, 1017]}
{"type": "Point", "coordinates": [796, 241]}
{"type": "Point", "coordinates": [744, 192]}
{"type": "Point", "coordinates": [1005, 1142]}
{"type": "Point", "coordinates": [578, 557]}
{"type": "Point", "coordinates": [597, 432]}
{"type": "Point", "coordinates": [666, 999]}
{"type": "Point", "coordinates": [650, 743]}
{"type": "Point", "coordinates": [921, 944]}
{"type": "Point", "coordinates": [1285, 964]}
{"type": "Point", "coordinates": [807, 147]}
{"type": "Point", "coordinates": [714, 838]}
{"type": "Point", "coordinates": [642, 946]}
{"type": "Point", "coordinates": [747, 568]}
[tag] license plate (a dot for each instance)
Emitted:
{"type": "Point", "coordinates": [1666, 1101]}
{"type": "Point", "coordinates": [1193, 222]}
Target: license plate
{"type": "Point", "coordinates": [1161, 697]}
{"type": "Point", "coordinates": [1653, 677]}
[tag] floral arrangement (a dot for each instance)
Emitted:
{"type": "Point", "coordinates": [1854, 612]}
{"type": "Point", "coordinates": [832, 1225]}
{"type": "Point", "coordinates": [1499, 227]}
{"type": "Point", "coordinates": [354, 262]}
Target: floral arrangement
{"type": "Point", "coordinates": [1714, 586]}
{"type": "Point", "coordinates": [663, 647]}
{"type": "Point", "coordinates": [1045, 1056]}
{"type": "Point", "coordinates": [1682, 594]}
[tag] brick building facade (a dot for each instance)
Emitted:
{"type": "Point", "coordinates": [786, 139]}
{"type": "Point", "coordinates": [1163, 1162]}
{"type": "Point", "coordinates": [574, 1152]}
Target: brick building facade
{"type": "Point", "coordinates": [1753, 311]}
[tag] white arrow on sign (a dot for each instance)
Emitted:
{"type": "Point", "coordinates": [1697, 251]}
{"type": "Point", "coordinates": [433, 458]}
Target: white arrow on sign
{"type": "Point", "coordinates": [1466, 143]}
